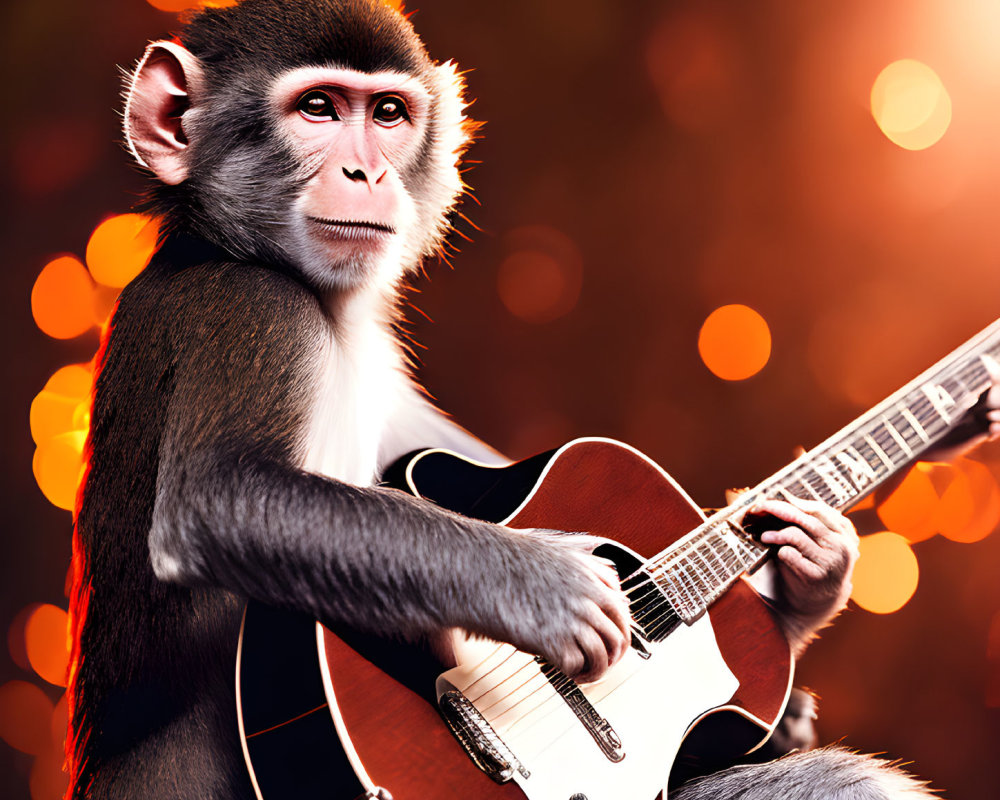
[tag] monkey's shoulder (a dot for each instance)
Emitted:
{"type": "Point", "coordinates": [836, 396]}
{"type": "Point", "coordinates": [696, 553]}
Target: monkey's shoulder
{"type": "Point", "coordinates": [222, 301]}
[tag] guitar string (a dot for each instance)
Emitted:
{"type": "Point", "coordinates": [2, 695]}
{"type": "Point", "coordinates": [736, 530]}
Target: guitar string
{"type": "Point", "coordinates": [930, 420]}
{"type": "Point", "coordinates": [927, 417]}
{"type": "Point", "coordinates": [563, 681]}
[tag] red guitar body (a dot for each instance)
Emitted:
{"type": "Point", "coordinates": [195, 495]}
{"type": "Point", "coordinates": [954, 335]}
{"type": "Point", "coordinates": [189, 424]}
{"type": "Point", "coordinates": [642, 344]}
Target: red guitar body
{"type": "Point", "coordinates": [393, 733]}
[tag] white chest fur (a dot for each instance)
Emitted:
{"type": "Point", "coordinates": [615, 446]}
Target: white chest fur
{"type": "Point", "coordinates": [360, 379]}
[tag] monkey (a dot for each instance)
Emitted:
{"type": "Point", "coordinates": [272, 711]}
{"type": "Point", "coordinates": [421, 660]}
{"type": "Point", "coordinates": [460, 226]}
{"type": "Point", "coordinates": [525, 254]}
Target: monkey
{"type": "Point", "coordinates": [305, 159]}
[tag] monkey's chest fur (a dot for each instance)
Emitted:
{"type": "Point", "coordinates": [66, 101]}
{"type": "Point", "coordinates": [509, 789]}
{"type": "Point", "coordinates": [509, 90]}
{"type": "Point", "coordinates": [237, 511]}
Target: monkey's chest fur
{"type": "Point", "coordinates": [357, 383]}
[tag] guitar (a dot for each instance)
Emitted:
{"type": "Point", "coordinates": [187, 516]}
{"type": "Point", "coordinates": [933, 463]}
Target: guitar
{"type": "Point", "coordinates": [707, 676]}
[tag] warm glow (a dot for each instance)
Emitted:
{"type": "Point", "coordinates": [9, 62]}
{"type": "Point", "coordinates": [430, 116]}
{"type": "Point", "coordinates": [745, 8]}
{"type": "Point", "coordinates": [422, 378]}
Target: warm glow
{"type": "Point", "coordinates": [63, 405]}
{"type": "Point", "coordinates": [734, 342]}
{"type": "Point", "coordinates": [48, 780]}
{"type": "Point", "coordinates": [912, 508]}
{"type": "Point", "coordinates": [102, 303]}
{"type": "Point", "coordinates": [120, 248]}
{"type": "Point", "coordinates": [25, 717]}
{"type": "Point", "coordinates": [886, 574]}
{"type": "Point", "coordinates": [60, 722]}
{"type": "Point", "coordinates": [58, 467]}
{"type": "Point", "coordinates": [536, 287]}
{"type": "Point", "coordinates": [970, 505]}
{"type": "Point", "coordinates": [71, 381]}
{"type": "Point", "coordinates": [46, 639]}
{"type": "Point", "coordinates": [61, 299]}
{"type": "Point", "coordinates": [910, 104]}
{"type": "Point", "coordinates": [52, 414]}
{"type": "Point", "coordinates": [961, 501]}
{"type": "Point", "coordinates": [177, 6]}
{"type": "Point", "coordinates": [15, 637]}
{"type": "Point", "coordinates": [993, 657]}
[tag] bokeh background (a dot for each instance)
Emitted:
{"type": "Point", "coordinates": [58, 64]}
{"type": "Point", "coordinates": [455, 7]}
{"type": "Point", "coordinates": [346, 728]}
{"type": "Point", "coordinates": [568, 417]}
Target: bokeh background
{"type": "Point", "coordinates": [644, 164]}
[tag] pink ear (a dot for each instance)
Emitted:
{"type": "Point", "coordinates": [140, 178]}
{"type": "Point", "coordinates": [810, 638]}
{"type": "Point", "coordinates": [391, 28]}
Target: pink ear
{"type": "Point", "coordinates": [163, 88]}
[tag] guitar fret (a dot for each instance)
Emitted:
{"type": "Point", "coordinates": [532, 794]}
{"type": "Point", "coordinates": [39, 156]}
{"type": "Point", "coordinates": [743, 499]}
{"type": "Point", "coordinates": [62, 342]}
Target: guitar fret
{"type": "Point", "coordinates": [890, 465]}
{"type": "Point", "coordinates": [859, 471]}
{"type": "Point", "coordinates": [867, 452]}
{"type": "Point", "coordinates": [895, 434]}
{"type": "Point", "coordinates": [694, 573]}
{"type": "Point", "coordinates": [828, 471]}
{"type": "Point", "coordinates": [939, 399]}
{"type": "Point", "coordinates": [681, 579]}
{"type": "Point", "coordinates": [908, 415]}
{"type": "Point", "coordinates": [695, 576]}
{"type": "Point", "coordinates": [809, 488]}
{"type": "Point", "coordinates": [701, 553]}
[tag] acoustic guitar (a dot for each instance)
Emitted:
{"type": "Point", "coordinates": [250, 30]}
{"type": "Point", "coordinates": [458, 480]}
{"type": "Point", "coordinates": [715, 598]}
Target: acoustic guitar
{"type": "Point", "coordinates": [340, 714]}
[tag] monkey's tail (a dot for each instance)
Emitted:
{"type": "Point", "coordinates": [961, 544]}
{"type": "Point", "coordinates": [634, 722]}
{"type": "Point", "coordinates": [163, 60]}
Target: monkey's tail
{"type": "Point", "coordinates": [828, 773]}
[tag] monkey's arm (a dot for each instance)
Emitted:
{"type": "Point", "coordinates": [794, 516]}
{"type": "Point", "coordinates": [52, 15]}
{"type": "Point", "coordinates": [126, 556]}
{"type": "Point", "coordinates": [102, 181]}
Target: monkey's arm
{"type": "Point", "coordinates": [233, 509]}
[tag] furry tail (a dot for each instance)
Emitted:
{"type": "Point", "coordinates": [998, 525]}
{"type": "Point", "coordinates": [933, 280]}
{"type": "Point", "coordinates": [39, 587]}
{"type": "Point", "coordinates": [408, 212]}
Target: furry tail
{"type": "Point", "coordinates": [829, 773]}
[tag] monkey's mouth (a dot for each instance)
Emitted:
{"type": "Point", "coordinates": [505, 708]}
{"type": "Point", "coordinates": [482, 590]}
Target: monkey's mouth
{"type": "Point", "coordinates": [352, 229]}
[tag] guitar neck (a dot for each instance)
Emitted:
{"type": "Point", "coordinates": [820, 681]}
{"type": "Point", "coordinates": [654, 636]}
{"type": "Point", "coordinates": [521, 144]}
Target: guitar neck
{"type": "Point", "coordinates": [699, 568]}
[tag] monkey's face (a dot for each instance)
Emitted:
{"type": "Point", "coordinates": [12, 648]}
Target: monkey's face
{"type": "Point", "coordinates": [346, 174]}
{"type": "Point", "coordinates": [357, 139]}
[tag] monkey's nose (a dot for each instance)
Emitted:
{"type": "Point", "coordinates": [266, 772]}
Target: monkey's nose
{"type": "Point", "coordinates": [355, 175]}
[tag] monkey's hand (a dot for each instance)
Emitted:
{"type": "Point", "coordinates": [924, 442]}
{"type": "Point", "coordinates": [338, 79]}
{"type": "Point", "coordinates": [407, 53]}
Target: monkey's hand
{"type": "Point", "coordinates": [816, 556]}
{"type": "Point", "coordinates": [979, 424]}
{"type": "Point", "coordinates": [563, 603]}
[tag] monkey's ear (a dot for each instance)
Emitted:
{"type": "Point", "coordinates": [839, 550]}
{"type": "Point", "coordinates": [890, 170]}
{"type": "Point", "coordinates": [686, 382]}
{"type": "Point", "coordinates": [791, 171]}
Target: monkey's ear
{"type": "Point", "coordinates": [160, 94]}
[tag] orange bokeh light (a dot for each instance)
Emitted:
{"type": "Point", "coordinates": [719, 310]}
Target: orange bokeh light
{"type": "Point", "coordinates": [46, 639]}
{"type": "Point", "coordinates": [61, 299]}
{"type": "Point", "coordinates": [120, 248]}
{"type": "Point", "coordinates": [886, 574]}
{"type": "Point", "coordinates": [970, 505]}
{"type": "Point", "coordinates": [541, 278]}
{"type": "Point", "coordinates": [177, 6]}
{"type": "Point", "coordinates": [534, 286]}
{"type": "Point", "coordinates": [71, 381]}
{"type": "Point", "coordinates": [961, 501]}
{"type": "Point", "coordinates": [15, 637]}
{"type": "Point", "coordinates": [734, 342]}
{"type": "Point", "coordinates": [25, 717]}
{"type": "Point", "coordinates": [910, 104]}
{"type": "Point", "coordinates": [53, 414]}
{"type": "Point", "coordinates": [912, 508]}
{"type": "Point", "coordinates": [58, 467]}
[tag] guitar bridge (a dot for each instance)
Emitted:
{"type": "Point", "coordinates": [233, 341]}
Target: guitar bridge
{"type": "Point", "coordinates": [597, 726]}
{"type": "Point", "coordinates": [478, 738]}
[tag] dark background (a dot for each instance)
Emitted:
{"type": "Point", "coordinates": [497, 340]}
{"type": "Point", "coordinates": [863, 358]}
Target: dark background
{"type": "Point", "coordinates": [696, 154]}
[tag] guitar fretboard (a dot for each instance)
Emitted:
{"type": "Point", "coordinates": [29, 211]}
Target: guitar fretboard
{"type": "Point", "coordinates": [700, 567]}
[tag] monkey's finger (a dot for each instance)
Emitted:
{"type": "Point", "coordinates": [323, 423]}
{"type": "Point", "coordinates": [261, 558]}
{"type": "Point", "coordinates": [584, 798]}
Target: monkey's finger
{"type": "Point", "coordinates": [596, 656]}
{"type": "Point", "coordinates": [620, 613]}
{"type": "Point", "coordinates": [568, 659]}
{"type": "Point", "coordinates": [826, 514]}
{"type": "Point", "coordinates": [819, 520]}
{"type": "Point", "coordinates": [808, 571]}
{"type": "Point", "coordinates": [796, 539]}
{"type": "Point", "coordinates": [605, 572]}
{"type": "Point", "coordinates": [615, 641]}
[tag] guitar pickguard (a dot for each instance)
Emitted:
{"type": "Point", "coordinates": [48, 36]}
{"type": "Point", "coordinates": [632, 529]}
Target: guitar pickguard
{"type": "Point", "coordinates": [544, 733]}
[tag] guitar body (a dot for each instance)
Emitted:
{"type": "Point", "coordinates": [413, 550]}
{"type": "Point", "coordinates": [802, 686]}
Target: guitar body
{"type": "Point", "coordinates": [343, 714]}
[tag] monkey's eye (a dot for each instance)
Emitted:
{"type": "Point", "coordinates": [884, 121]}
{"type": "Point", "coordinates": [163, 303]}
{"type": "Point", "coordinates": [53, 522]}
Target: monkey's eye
{"type": "Point", "coordinates": [390, 111]}
{"type": "Point", "coordinates": [316, 105]}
